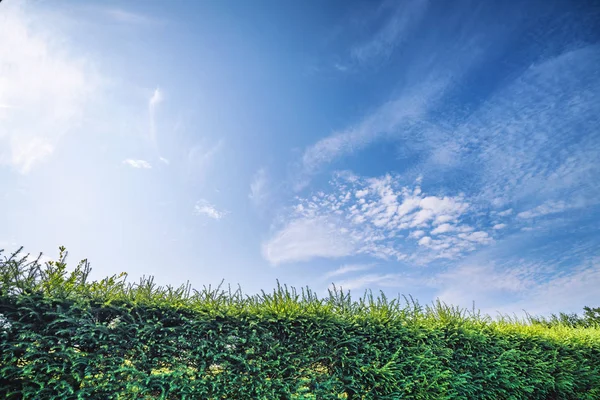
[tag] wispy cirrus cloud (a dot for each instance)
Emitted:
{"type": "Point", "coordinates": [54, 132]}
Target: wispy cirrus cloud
{"type": "Point", "coordinates": [539, 281]}
{"type": "Point", "coordinates": [155, 100]}
{"type": "Point", "coordinates": [404, 112]}
{"type": "Point", "coordinates": [346, 269]}
{"type": "Point", "coordinates": [411, 114]}
{"type": "Point", "coordinates": [394, 20]}
{"type": "Point", "coordinates": [518, 142]}
{"type": "Point", "coordinates": [140, 164]}
{"type": "Point", "coordinates": [205, 208]}
{"type": "Point", "coordinates": [391, 280]}
{"type": "Point", "coordinates": [549, 207]}
{"type": "Point", "coordinates": [40, 77]}
{"type": "Point", "coordinates": [303, 239]}
{"type": "Point", "coordinates": [521, 144]}
{"type": "Point", "coordinates": [258, 187]}
{"type": "Point", "coordinates": [200, 158]}
{"type": "Point", "coordinates": [129, 17]}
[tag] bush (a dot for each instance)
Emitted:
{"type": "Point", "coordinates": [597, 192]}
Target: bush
{"type": "Point", "coordinates": [64, 337]}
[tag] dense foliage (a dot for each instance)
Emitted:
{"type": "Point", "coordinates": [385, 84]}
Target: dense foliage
{"type": "Point", "coordinates": [64, 337]}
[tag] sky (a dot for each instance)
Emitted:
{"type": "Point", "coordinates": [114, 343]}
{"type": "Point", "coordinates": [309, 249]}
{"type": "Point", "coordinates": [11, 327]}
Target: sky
{"type": "Point", "coordinates": [442, 150]}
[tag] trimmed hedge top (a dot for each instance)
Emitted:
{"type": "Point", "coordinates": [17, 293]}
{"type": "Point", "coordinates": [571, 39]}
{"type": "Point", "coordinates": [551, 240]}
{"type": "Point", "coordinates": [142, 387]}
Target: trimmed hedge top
{"type": "Point", "coordinates": [64, 337]}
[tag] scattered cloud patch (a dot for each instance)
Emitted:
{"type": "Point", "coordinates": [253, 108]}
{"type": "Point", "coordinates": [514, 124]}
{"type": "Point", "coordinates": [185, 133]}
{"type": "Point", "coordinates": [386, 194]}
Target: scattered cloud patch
{"type": "Point", "coordinates": [499, 226]}
{"type": "Point", "coordinates": [137, 163]}
{"type": "Point", "coordinates": [361, 193]}
{"type": "Point", "coordinates": [522, 144]}
{"type": "Point", "coordinates": [205, 208]}
{"type": "Point", "coordinates": [505, 212]}
{"type": "Point", "coordinates": [389, 220]}
{"type": "Point", "coordinates": [444, 228]}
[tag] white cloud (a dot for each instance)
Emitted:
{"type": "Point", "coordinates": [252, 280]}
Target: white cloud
{"type": "Point", "coordinates": [387, 211]}
{"type": "Point", "coordinates": [345, 269]}
{"type": "Point", "coordinates": [424, 241]}
{"type": "Point", "coordinates": [138, 163]}
{"type": "Point", "coordinates": [258, 187]}
{"type": "Point", "coordinates": [444, 228]}
{"type": "Point", "coordinates": [205, 208]}
{"type": "Point", "coordinates": [505, 212]}
{"type": "Point", "coordinates": [499, 226]}
{"type": "Point", "coordinates": [306, 238]}
{"type": "Point", "coordinates": [549, 207]}
{"type": "Point", "coordinates": [164, 160]}
{"type": "Point", "coordinates": [156, 99]}
{"type": "Point", "coordinates": [340, 67]}
{"type": "Point", "coordinates": [41, 78]}
{"type": "Point", "coordinates": [417, 234]}
{"type": "Point", "coordinates": [477, 237]}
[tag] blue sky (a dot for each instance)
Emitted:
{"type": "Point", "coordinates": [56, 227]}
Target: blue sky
{"type": "Point", "coordinates": [438, 149]}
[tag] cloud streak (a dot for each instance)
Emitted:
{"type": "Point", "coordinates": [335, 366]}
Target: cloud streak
{"type": "Point", "coordinates": [346, 269]}
{"type": "Point", "coordinates": [139, 164]}
{"type": "Point", "coordinates": [549, 207]}
{"type": "Point", "coordinates": [153, 103]}
{"type": "Point", "coordinates": [258, 187]}
{"type": "Point", "coordinates": [404, 112]}
{"type": "Point", "coordinates": [128, 17]}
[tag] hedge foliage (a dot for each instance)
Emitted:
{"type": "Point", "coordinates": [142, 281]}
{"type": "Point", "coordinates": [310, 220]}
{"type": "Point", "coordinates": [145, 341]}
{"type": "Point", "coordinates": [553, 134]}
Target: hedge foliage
{"type": "Point", "coordinates": [64, 337]}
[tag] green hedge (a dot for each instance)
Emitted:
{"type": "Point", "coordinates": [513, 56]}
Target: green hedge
{"type": "Point", "coordinates": [64, 337]}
